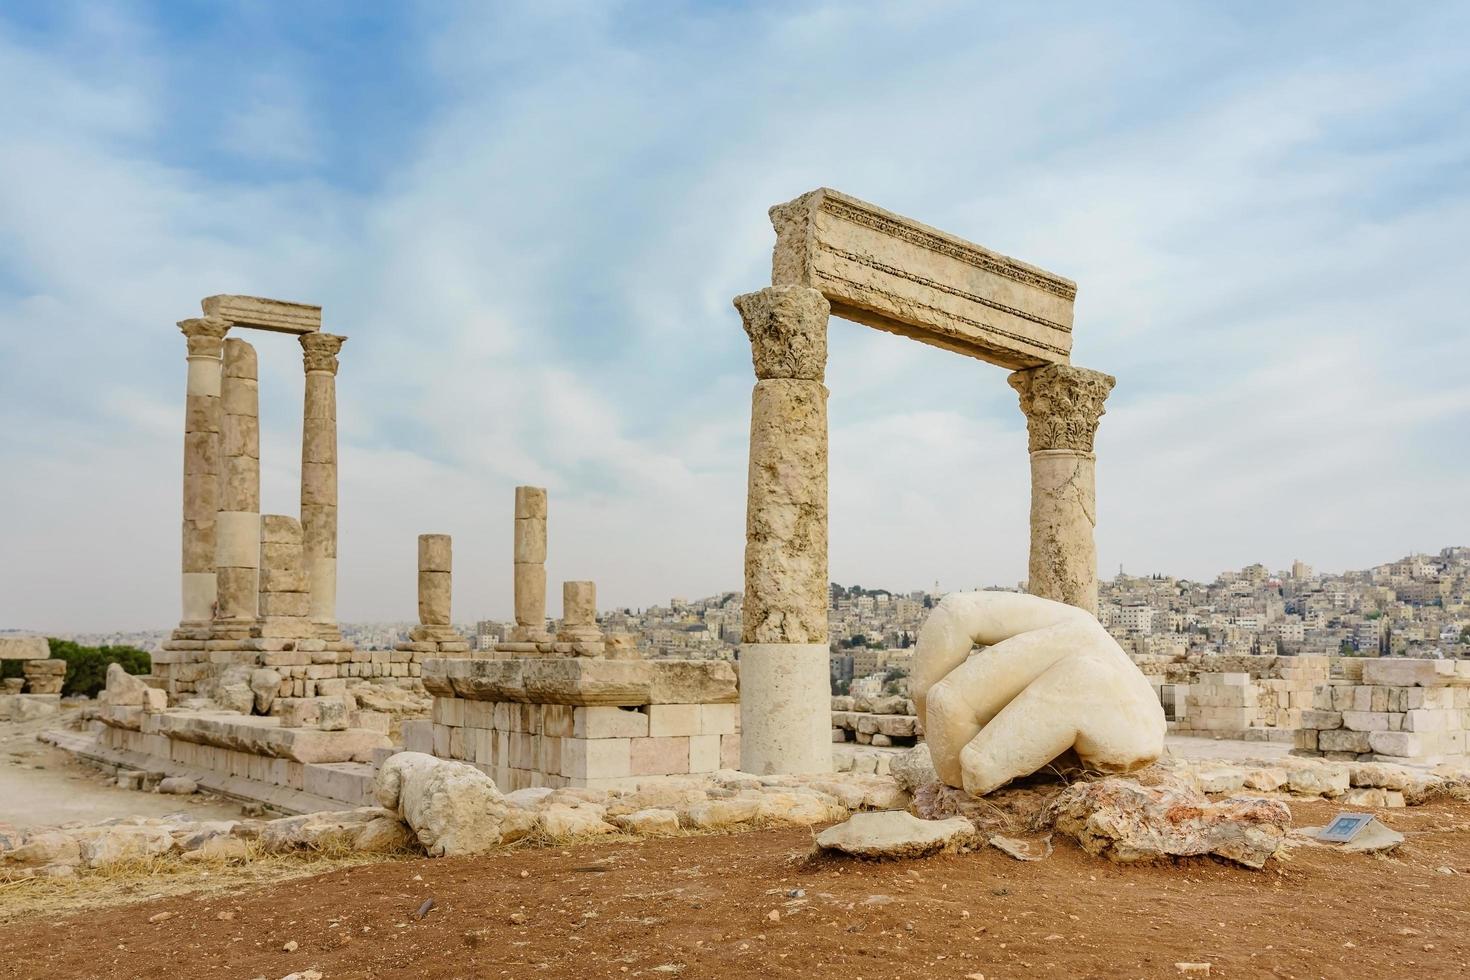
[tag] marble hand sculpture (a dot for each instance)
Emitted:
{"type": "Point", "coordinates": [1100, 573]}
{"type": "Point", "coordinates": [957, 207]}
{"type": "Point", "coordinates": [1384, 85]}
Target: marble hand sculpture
{"type": "Point", "coordinates": [1047, 679]}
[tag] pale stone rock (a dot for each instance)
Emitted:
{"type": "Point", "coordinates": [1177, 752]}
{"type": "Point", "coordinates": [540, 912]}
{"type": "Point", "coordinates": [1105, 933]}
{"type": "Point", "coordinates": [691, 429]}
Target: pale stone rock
{"type": "Point", "coordinates": [24, 648]}
{"type": "Point", "coordinates": [649, 822]}
{"type": "Point", "coordinates": [1050, 679]}
{"type": "Point", "coordinates": [220, 849]}
{"type": "Point", "coordinates": [719, 814]}
{"type": "Point", "coordinates": [1219, 780]}
{"type": "Point", "coordinates": [798, 809]}
{"type": "Point", "coordinates": [1124, 822]}
{"type": "Point", "coordinates": [124, 688]}
{"type": "Point", "coordinates": [452, 807]}
{"type": "Point", "coordinates": [46, 847]}
{"type": "Point", "coordinates": [560, 821]}
{"type": "Point", "coordinates": [1266, 780]}
{"type": "Point", "coordinates": [155, 699]}
{"type": "Point", "coordinates": [345, 830]}
{"type": "Point", "coordinates": [102, 846]}
{"type": "Point", "coordinates": [895, 834]}
{"type": "Point", "coordinates": [265, 684]}
{"type": "Point", "coordinates": [178, 786]}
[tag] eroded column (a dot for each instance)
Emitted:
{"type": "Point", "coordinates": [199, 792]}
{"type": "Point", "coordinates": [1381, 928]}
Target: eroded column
{"type": "Point", "coordinates": [530, 566]}
{"type": "Point", "coordinates": [237, 530]}
{"type": "Point", "coordinates": [785, 713]}
{"type": "Point", "coordinates": [436, 585]}
{"type": "Point", "coordinates": [1063, 405]}
{"type": "Point", "coordinates": [285, 595]}
{"type": "Point", "coordinates": [319, 478]}
{"type": "Point", "coordinates": [205, 337]}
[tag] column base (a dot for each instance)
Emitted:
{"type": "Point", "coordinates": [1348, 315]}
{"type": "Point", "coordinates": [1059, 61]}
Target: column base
{"type": "Point", "coordinates": [785, 708]}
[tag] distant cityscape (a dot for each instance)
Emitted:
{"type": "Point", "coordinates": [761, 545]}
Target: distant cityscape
{"type": "Point", "coordinates": [1417, 606]}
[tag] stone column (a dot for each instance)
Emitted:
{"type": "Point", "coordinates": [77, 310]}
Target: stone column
{"type": "Point", "coordinates": [435, 579]}
{"type": "Point", "coordinates": [530, 566]}
{"type": "Point", "coordinates": [1063, 405]}
{"type": "Point", "coordinates": [285, 598]}
{"type": "Point", "coordinates": [319, 478]}
{"type": "Point", "coordinates": [237, 541]}
{"type": "Point", "coordinates": [785, 706]}
{"type": "Point", "coordinates": [205, 337]}
{"type": "Point", "coordinates": [579, 620]}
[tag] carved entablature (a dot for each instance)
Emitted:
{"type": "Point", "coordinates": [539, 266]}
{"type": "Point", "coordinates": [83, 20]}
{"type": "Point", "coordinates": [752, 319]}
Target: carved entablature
{"type": "Point", "coordinates": [205, 335]}
{"type": "Point", "coordinates": [1062, 404]}
{"type": "Point", "coordinates": [788, 331]}
{"type": "Point", "coordinates": [893, 273]}
{"type": "Point", "coordinates": [319, 351]}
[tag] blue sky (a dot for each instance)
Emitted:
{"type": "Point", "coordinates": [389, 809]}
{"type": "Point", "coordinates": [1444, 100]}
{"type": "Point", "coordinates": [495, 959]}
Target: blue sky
{"type": "Point", "coordinates": [530, 221]}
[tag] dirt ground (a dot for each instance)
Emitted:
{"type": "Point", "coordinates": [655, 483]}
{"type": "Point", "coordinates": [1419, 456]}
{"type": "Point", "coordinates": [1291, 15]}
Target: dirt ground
{"type": "Point", "coordinates": [40, 785]}
{"type": "Point", "coordinates": [760, 905]}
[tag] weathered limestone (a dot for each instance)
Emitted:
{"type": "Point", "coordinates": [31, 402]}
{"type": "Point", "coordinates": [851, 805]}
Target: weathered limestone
{"type": "Point", "coordinates": [260, 313]}
{"type": "Point", "coordinates": [784, 716]}
{"type": "Point", "coordinates": [1063, 405]}
{"type": "Point", "coordinates": [579, 619]}
{"type": "Point", "coordinates": [434, 636]}
{"type": "Point", "coordinates": [24, 648]}
{"type": "Point", "coordinates": [44, 676]}
{"type": "Point", "coordinates": [1049, 680]}
{"type": "Point", "coordinates": [898, 275]}
{"type": "Point", "coordinates": [237, 540]}
{"type": "Point", "coordinates": [530, 566]}
{"type": "Point", "coordinates": [1413, 712]}
{"type": "Point", "coordinates": [205, 338]}
{"type": "Point", "coordinates": [319, 476]}
{"type": "Point", "coordinates": [285, 597]}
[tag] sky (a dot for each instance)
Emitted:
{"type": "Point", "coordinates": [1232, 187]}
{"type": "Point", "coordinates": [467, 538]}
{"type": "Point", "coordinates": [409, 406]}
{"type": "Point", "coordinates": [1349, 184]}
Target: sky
{"type": "Point", "coordinates": [530, 220]}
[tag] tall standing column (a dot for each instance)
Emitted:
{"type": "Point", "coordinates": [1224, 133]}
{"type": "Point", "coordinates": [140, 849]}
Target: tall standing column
{"type": "Point", "coordinates": [785, 706]}
{"type": "Point", "coordinates": [319, 478]}
{"type": "Point", "coordinates": [530, 566]}
{"type": "Point", "coordinates": [237, 541]}
{"type": "Point", "coordinates": [205, 337]}
{"type": "Point", "coordinates": [1063, 405]}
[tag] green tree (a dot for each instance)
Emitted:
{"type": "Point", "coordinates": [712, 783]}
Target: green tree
{"type": "Point", "coordinates": [86, 667]}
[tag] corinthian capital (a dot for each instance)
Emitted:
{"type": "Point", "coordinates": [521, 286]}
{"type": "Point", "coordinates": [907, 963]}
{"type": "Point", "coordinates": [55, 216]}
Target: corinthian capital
{"type": "Point", "coordinates": [319, 351]}
{"type": "Point", "coordinates": [788, 331]}
{"type": "Point", "coordinates": [205, 335]}
{"type": "Point", "coordinates": [1062, 404]}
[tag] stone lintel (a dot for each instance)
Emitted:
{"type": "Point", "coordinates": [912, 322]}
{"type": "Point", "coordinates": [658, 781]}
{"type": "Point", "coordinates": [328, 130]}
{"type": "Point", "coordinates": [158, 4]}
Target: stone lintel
{"type": "Point", "coordinates": [24, 648]}
{"type": "Point", "coordinates": [260, 313]}
{"type": "Point", "coordinates": [583, 680]}
{"type": "Point", "coordinates": [895, 274]}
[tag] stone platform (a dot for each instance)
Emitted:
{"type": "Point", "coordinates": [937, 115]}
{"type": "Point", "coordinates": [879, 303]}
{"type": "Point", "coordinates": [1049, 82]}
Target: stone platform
{"type": "Point", "coordinates": [585, 722]}
{"type": "Point", "coordinates": [1411, 712]}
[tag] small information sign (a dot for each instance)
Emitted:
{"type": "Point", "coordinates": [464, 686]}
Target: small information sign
{"type": "Point", "coordinates": [1344, 827]}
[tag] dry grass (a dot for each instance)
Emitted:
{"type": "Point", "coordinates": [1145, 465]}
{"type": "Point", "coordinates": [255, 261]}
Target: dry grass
{"type": "Point", "coordinates": [139, 880]}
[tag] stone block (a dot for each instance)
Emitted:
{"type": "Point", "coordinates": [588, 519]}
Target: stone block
{"type": "Point", "coordinates": [24, 648]}
{"type": "Point", "coordinates": [435, 553]}
{"type": "Point", "coordinates": [530, 541]}
{"type": "Point", "coordinates": [1427, 720]}
{"type": "Point", "coordinates": [588, 758]}
{"type": "Point", "coordinates": [1343, 740]}
{"type": "Point", "coordinates": [1399, 744]}
{"type": "Point", "coordinates": [598, 721]}
{"type": "Point", "coordinates": [530, 502]}
{"type": "Point", "coordinates": [719, 719]}
{"type": "Point", "coordinates": [674, 719]}
{"type": "Point", "coordinates": [265, 314]}
{"type": "Point", "coordinates": [704, 753]}
{"type": "Point", "coordinates": [659, 756]}
{"type": "Point", "coordinates": [1399, 672]}
{"type": "Point", "coordinates": [1365, 721]}
{"type": "Point", "coordinates": [291, 605]}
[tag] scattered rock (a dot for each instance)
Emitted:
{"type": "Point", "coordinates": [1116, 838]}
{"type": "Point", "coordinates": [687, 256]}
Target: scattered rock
{"type": "Point", "coordinates": [561, 822]}
{"type": "Point", "coordinates": [369, 829]}
{"type": "Point", "coordinates": [651, 821]}
{"type": "Point", "coordinates": [1318, 780]}
{"type": "Point", "coordinates": [102, 846]}
{"type": "Point", "coordinates": [1022, 848]}
{"type": "Point", "coordinates": [265, 684]}
{"type": "Point", "coordinates": [895, 834]}
{"type": "Point", "coordinates": [1193, 969]}
{"type": "Point", "coordinates": [160, 917]}
{"type": "Point", "coordinates": [220, 849]}
{"type": "Point", "coordinates": [124, 688]}
{"type": "Point", "coordinates": [1124, 821]}
{"type": "Point", "coordinates": [290, 947]}
{"type": "Point", "coordinates": [178, 785]}
{"type": "Point", "coordinates": [913, 768]}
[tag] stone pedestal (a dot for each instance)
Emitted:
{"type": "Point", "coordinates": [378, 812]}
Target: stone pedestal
{"type": "Point", "coordinates": [530, 566]}
{"type": "Point", "coordinates": [237, 525]}
{"type": "Point", "coordinates": [1063, 405]}
{"type": "Point", "coordinates": [205, 337]}
{"type": "Point", "coordinates": [434, 636]}
{"type": "Point", "coordinates": [784, 673]}
{"type": "Point", "coordinates": [319, 478]}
